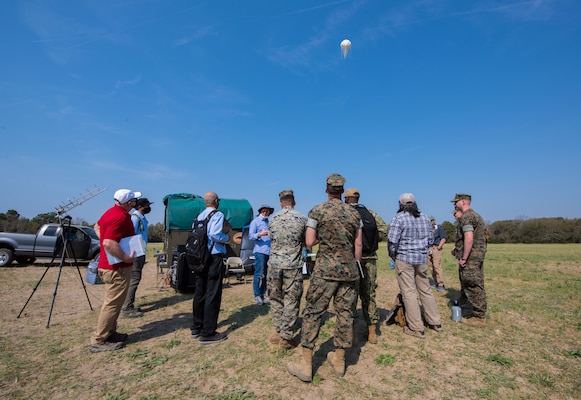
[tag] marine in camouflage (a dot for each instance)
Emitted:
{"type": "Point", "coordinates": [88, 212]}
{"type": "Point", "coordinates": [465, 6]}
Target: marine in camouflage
{"type": "Point", "coordinates": [335, 275]}
{"type": "Point", "coordinates": [472, 275]}
{"type": "Point", "coordinates": [285, 277]}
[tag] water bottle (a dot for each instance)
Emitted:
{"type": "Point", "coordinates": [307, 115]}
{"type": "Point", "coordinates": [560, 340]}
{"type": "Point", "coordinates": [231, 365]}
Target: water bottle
{"type": "Point", "coordinates": [456, 312]}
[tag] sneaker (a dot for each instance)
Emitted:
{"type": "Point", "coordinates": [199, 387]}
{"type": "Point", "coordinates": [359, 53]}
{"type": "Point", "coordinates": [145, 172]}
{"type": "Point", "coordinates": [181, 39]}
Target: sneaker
{"type": "Point", "coordinates": [258, 300]}
{"type": "Point", "coordinates": [416, 334]}
{"type": "Point", "coordinates": [105, 346]}
{"type": "Point", "coordinates": [437, 328]}
{"type": "Point", "coordinates": [266, 299]}
{"type": "Point", "coordinates": [433, 285]}
{"type": "Point", "coordinates": [118, 337]}
{"type": "Point", "coordinates": [441, 288]}
{"type": "Point", "coordinates": [195, 334]}
{"type": "Point", "coordinates": [131, 314]}
{"type": "Point", "coordinates": [215, 338]}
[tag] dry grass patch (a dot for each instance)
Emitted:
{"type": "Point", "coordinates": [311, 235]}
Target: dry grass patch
{"type": "Point", "coordinates": [530, 347]}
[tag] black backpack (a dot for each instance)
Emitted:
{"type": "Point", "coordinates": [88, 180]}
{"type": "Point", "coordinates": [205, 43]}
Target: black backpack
{"type": "Point", "coordinates": [370, 235]}
{"type": "Point", "coordinates": [197, 254]}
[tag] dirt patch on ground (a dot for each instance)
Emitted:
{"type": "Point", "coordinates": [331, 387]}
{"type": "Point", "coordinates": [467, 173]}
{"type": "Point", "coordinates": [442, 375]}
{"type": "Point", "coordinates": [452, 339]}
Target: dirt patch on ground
{"type": "Point", "coordinates": [161, 361]}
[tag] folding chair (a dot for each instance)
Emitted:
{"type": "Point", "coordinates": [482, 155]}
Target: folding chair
{"type": "Point", "coordinates": [235, 266]}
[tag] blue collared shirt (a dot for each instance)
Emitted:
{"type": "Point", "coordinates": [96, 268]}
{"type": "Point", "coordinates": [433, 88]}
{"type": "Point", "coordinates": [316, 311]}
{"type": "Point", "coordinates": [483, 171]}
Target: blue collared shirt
{"type": "Point", "coordinates": [409, 237]}
{"type": "Point", "coordinates": [140, 224]}
{"type": "Point", "coordinates": [215, 235]}
{"type": "Point", "coordinates": [261, 244]}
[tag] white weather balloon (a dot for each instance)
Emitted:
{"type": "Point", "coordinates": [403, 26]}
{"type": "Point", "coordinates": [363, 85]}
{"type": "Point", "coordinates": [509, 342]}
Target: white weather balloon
{"type": "Point", "coordinates": [345, 47]}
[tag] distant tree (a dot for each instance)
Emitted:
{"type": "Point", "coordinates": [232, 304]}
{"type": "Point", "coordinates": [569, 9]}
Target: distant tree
{"type": "Point", "coordinates": [156, 233]}
{"type": "Point", "coordinates": [450, 229]}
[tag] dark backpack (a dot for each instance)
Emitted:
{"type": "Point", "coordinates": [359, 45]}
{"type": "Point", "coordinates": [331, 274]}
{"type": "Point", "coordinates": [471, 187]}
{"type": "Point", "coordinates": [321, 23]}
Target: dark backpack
{"type": "Point", "coordinates": [197, 254]}
{"type": "Point", "coordinates": [370, 235]}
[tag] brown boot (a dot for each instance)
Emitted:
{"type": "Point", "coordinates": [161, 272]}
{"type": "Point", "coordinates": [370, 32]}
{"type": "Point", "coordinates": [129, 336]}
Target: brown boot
{"type": "Point", "coordinates": [303, 369]}
{"type": "Point", "coordinates": [274, 338]}
{"type": "Point", "coordinates": [286, 344]}
{"type": "Point", "coordinates": [372, 336]}
{"type": "Point", "coordinates": [337, 360]}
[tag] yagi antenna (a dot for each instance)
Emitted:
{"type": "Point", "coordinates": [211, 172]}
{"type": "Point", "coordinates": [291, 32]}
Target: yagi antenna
{"type": "Point", "coordinates": [65, 207]}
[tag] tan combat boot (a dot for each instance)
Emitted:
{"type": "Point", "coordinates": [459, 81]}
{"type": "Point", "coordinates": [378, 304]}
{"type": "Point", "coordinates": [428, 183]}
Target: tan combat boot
{"type": "Point", "coordinates": [286, 344]}
{"type": "Point", "coordinates": [372, 337]}
{"type": "Point", "coordinates": [304, 368]}
{"type": "Point", "coordinates": [274, 338]}
{"type": "Point", "coordinates": [337, 360]}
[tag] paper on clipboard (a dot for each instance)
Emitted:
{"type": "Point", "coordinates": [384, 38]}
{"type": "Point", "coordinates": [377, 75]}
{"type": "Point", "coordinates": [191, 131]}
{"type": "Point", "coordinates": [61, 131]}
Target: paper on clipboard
{"type": "Point", "coordinates": [128, 244]}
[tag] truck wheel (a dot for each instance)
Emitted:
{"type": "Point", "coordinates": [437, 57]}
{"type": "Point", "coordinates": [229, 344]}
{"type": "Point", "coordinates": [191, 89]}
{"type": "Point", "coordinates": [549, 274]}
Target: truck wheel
{"type": "Point", "coordinates": [6, 257]}
{"type": "Point", "coordinates": [24, 260]}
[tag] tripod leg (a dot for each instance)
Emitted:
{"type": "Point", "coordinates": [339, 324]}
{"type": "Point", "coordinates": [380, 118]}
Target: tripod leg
{"type": "Point", "coordinates": [33, 290]}
{"type": "Point", "coordinates": [57, 282]}
{"type": "Point", "coordinates": [83, 283]}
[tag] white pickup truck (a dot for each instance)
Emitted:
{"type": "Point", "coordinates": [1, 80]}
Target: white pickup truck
{"type": "Point", "coordinates": [24, 248]}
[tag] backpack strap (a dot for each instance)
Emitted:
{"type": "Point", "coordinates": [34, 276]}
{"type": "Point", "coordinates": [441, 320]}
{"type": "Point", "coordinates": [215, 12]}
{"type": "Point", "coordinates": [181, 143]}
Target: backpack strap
{"type": "Point", "coordinates": [207, 219]}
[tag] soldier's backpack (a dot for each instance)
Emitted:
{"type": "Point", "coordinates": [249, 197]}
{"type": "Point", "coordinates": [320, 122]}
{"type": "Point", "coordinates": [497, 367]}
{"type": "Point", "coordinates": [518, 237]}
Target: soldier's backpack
{"type": "Point", "coordinates": [197, 254]}
{"type": "Point", "coordinates": [370, 235]}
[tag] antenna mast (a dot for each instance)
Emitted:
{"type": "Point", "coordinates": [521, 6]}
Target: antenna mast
{"type": "Point", "coordinates": [65, 207]}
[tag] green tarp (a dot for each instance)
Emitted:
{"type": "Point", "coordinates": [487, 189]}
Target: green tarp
{"type": "Point", "coordinates": [182, 208]}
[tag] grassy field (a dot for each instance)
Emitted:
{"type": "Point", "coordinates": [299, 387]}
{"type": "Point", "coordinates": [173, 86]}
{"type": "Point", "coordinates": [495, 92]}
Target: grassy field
{"type": "Point", "coordinates": [529, 349]}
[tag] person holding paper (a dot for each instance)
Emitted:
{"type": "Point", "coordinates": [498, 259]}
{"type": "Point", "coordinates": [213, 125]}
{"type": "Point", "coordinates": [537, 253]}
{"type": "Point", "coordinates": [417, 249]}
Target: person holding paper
{"type": "Point", "coordinates": [336, 228]}
{"type": "Point", "coordinates": [140, 223]}
{"type": "Point", "coordinates": [114, 225]}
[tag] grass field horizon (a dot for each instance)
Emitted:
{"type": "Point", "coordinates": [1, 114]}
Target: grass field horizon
{"type": "Point", "coordinates": [529, 349]}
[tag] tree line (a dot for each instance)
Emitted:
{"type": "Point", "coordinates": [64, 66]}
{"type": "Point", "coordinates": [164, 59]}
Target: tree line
{"type": "Point", "coordinates": [12, 221]}
{"type": "Point", "coordinates": [534, 230]}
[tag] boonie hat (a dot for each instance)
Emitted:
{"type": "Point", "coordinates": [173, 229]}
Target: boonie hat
{"type": "Point", "coordinates": [352, 192]}
{"type": "Point", "coordinates": [406, 198]}
{"type": "Point", "coordinates": [124, 195]}
{"type": "Point", "coordinates": [286, 193]}
{"type": "Point", "coordinates": [269, 208]}
{"type": "Point", "coordinates": [461, 196]}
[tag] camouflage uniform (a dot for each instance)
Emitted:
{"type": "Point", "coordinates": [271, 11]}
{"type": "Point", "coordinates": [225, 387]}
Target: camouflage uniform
{"type": "Point", "coordinates": [472, 275]}
{"type": "Point", "coordinates": [285, 276]}
{"type": "Point", "coordinates": [335, 275]}
{"type": "Point", "coordinates": [368, 284]}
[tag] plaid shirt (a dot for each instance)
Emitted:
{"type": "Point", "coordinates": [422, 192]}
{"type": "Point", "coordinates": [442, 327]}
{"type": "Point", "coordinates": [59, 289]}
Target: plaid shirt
{"type": "Point", "coordinates": [409, 237]}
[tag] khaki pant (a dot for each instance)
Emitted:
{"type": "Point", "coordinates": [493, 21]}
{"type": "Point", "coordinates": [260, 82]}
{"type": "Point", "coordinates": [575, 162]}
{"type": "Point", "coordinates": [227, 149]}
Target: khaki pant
{"type": "Point", "coordinates": [435, 265]}
{"type": "Point", "coordinates": [117, 284]}
{"type": "Point", "coordinates": [413, 282]}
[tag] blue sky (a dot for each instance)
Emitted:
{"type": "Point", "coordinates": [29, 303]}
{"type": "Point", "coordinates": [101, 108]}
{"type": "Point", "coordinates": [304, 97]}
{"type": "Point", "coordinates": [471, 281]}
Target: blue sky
{"type": "Point", "coordinates": [247, 98]}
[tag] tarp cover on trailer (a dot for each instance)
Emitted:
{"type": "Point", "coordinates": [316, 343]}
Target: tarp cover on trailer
{"type": "Point", "coordinates": [182, 208]}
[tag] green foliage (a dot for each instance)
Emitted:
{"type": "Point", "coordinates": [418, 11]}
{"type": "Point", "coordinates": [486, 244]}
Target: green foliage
{"type": "Point", "coordinates": [385, 359]}
{"type": "Point", "coordinates": [156, 233]}
{"type": "Point", "coordinates": [539, 230]}
{"type": "Point", "coordinates": [500, 359]}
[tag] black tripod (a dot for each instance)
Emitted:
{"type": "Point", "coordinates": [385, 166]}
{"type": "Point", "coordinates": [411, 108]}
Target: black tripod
{"type": "Point", "coordinates": [64, 253]}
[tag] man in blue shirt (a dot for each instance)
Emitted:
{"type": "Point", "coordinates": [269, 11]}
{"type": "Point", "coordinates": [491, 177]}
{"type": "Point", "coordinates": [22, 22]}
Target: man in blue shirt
{"type": "Point", "coordinates": [410, 233]}
{"type": "Point", "coordinates": [435, 255]}
{"type": "Point", "coordinates": [259, 233]}
{"type": "Point", "coordinates": [140, 223]}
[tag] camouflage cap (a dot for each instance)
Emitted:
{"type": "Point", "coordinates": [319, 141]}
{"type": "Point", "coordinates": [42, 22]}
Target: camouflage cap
{"type": "Point", "coordinates": [286, 193]}
{"type": "Point", "coordinates": [352, 192]}
{"type": "Point", "coordinates": [461, 196]}
{"type": "Point", "coordinates": [335, 183]}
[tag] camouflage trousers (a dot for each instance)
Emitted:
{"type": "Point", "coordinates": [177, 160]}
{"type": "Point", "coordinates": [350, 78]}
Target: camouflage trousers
{"type": "Point", "coordinates": [285, 289]}
{"type": "Point", "coordinates": [472, 282]}
{"type": "Point", "coordinates": [366, 292]}
{"type": "Point", "coordinates": [319, 296]}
